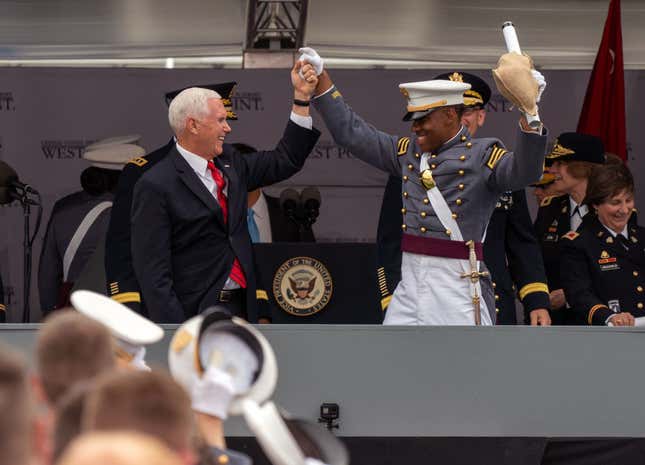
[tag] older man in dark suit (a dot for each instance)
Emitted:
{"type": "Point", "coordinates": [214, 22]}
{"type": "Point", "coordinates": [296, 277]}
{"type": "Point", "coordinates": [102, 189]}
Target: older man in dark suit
{"type": "Point", "coordinates": [190, 242]}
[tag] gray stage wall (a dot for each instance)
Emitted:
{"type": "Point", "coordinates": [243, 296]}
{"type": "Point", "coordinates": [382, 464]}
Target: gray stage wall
{"type": "Point", "coordinates": [451, 381]}
{"type": "Point", "coordinates": [47, 117]}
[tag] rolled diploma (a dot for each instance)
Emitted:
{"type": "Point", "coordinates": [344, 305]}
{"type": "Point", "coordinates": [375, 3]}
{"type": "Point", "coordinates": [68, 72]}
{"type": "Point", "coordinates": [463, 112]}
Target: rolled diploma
{"type": "Point", "coordinates": [513, 46]}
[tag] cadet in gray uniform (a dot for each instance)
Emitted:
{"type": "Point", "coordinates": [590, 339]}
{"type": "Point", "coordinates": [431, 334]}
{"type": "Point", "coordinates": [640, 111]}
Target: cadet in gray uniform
{"type": "Point", "coordinates": [451, 184]}
{"type": "Point", "coordinates": [79, 221]}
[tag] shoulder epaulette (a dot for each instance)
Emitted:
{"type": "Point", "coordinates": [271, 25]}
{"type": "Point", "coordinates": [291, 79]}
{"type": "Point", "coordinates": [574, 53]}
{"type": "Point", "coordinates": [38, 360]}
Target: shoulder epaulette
{"type": "Point", "coordinates": [495, 156]}
{"type": "Point", "coordinates": [402, 145]}
{"type": "Point", "coordinates": [571, 235]}
{"type": "Point", "coordinates": [546, 201]}
{"type": "Point", "coordinates": [139, 161]}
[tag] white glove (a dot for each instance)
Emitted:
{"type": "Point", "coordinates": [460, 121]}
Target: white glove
{"type": "Point", "coordinates": [310, 56]}
{"type": "Point", "coordinates": [139, 360]}
{"type": "Point", "coordinates": [540, 81]}
{"type": "Point", "coordinates": [213, 392]}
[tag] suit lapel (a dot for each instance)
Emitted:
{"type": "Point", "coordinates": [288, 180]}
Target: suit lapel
{"type": "Point", "coordinates": [196, 186]}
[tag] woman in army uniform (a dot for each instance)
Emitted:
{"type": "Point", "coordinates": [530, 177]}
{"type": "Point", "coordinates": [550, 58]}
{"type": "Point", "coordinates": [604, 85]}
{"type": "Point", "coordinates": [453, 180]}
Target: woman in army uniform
{"type": "Point", "coordinates": [603, 263]}
{"type": "Point", "coordinates": [570, 163]}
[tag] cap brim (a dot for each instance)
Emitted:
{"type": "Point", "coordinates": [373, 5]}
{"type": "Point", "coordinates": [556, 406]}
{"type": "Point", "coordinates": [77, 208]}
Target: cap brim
{"type": "Point", "coordinates": [415, 115]}
{"type": "Point", "coordinates": [122, 322]}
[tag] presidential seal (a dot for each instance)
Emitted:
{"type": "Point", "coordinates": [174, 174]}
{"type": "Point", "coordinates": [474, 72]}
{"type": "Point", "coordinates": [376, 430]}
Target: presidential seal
{"type": "Point", "coordinates": [302, 286]}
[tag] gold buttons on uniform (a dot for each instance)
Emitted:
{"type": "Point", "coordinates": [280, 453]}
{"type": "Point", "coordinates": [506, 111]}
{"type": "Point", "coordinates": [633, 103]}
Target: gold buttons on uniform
{"type": "Point", "coordinates": [404, 210]}
{"type": "Point", "coordinates": [497, 309]}
{"type": "Point", "coordinates": [463, 138]}
{"type": "Point", "coordinates": [635, 273]}
{"type": "Point", "coordinates": [426, 201]}
{"type": "Point", "coordinates": [454, 216]}
{"type": "Point", "coordinates": [410, 166]}
{"type": "Point", "coordinates": [433, 155]}
{"type": "Point", "coordinates": [459, 202]}
{"type": "Point", "coordinates": [416, 155]}
{"type": "Point", "coordinates": [639, 288]}
{"type": "Point", "coordinates": [448, 232]}
{"type": "Point", "coordinates": [405, 178]}
{"type": "Point", "coordinates": [404, 227]}
{"type": "Point", "coordinates": [223, 459]}
{"type": "Point", "coordinates": [462, 158]}
{"type": "Point", "coordinates": [469, 144]}
{"type": "Point", "coordinates": [461, 172]}
{"type": "Point", "coordinates": [433, 166]}
{"type": "Point", "coordinates": [405, 194]}
{"type": "Point", "coordinates": [461, 187]}
{"type": "Point", "coordinates": [639, 305]}
{"type": "Point", "coordinates": [496, 297]}
{"type": "Point", "coordinates": [423, 229]}
{"type": "Point", "coordinates": [423, 214]}
{"type": "Point", "coordinates": [494, 285]}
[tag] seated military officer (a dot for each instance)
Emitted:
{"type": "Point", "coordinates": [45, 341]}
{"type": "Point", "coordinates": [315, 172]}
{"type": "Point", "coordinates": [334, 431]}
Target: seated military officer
{"type": "Point", "coordinates": [603, 263]}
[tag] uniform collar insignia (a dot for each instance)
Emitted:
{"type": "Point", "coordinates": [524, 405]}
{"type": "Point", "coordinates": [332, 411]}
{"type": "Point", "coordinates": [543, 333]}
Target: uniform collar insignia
{"type": "Point", "coordinates": [633, 238]}
{"type": "Point", "coordinates": [609, 240]}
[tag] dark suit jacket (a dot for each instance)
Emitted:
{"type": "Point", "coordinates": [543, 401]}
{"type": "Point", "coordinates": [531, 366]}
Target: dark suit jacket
{"type": "Point", "coordinates": [282, 228]}
{"type": "Point", "coordinates": [182, 249]}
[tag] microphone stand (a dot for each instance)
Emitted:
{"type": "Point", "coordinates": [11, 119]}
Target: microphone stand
{"type": "Point", "coordinates": [27, 202]}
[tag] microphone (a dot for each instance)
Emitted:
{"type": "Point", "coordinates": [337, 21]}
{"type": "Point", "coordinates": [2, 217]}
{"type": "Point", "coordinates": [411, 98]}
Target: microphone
{"type": "Point", "coordinates": [10, 185]}
{"type": "Point", "coordinates": [311, 204]}
{"type": "Point", "coordinates": [289, 200]}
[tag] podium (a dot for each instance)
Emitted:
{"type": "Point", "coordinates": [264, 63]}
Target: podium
{"type": "Point", "coordinates": [319, 283]}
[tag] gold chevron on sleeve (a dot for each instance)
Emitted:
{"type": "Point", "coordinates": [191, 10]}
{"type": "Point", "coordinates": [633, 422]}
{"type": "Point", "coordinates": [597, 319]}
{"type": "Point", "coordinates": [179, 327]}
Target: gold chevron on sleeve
{"type": "Point", "coordinates": [402, 145]}
{"type": "Point", "coordinates": [495, 156]}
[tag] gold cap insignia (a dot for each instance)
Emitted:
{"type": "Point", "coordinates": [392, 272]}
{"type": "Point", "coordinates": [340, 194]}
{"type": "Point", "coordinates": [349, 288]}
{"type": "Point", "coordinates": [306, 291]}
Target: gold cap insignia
{"type": "Point", "coordinates": [405, 92]}
{"type": "Point", "coordinates": [181, 340]}
{"type": "Point", "coordinates": [604, 254]}
{"type": "Point", "coordinates": [456, 77]}
{"type": "Point", "coordinates": [559, 151]}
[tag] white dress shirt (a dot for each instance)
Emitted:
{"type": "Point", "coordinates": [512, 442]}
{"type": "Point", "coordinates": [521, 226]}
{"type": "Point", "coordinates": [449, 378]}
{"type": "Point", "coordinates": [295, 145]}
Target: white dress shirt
{"type": "Point", "coordinates": [576, 218]}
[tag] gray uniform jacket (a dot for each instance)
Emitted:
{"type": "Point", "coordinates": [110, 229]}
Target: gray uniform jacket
{"type": "Point", "coordinates": [66, 216]}
{"type": "Point", "coordinates": [470, 173]}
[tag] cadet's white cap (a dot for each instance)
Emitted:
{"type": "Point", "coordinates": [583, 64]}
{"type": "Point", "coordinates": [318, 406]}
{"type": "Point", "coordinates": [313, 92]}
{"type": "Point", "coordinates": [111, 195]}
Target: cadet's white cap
{"type": "Point", "coordinates": [117, 140]}
{"type": "Point", "coordinates": [123, 323]}
{"type": "Point", "coordinates": [214, 338]}
{"type": "Point", "coordinates": [424, 96]}
{"type": "Point", "coordinates": [113, 157]}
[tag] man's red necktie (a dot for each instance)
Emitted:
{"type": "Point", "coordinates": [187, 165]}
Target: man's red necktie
{"type": "Point", "coordinates": [237, 273]}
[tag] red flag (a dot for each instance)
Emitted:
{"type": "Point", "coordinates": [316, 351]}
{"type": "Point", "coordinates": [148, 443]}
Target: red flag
{"type": "Point", "coordinates": [603, 112]}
